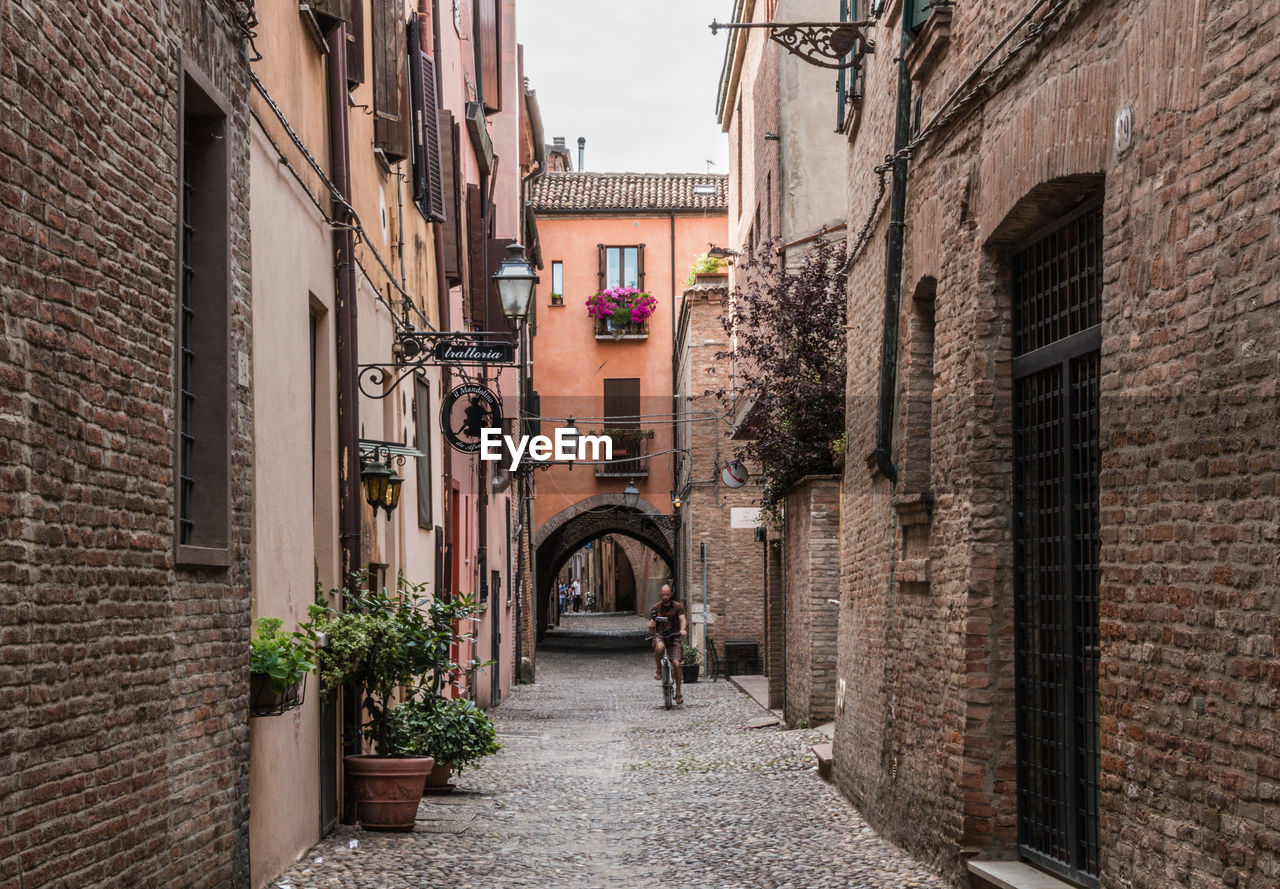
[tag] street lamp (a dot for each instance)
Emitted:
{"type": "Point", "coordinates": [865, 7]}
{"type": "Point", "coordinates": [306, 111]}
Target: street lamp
{"type": "Point", "coordinates": [515, 280]}
{"type": "Point", "coordinates": [675, 500]}
{"type": "Point", "coordinates": [381, 485]}
{"type": "Point", "coordinates": [631, 495]}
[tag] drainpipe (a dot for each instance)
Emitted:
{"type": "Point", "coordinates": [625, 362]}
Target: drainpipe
{"type": "Point", "coordinates": [347, 357]}
{"type": "Point", "coordinates": [883, 455]}
{"type": "Point", "coordinates": [675, 365]}
{"type": "Point", "coordinates": [346, 327]}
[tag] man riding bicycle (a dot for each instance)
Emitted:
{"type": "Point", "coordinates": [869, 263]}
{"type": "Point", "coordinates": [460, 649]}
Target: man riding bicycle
{"type": "Point", "coordinates": [670, 639]}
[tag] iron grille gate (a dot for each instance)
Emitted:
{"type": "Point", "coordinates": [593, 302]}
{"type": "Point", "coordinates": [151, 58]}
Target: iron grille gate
{"type": "Point", "coordinates": [1057, 285]}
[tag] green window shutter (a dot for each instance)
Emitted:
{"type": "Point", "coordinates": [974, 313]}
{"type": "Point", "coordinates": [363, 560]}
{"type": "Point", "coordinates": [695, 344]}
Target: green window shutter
{"type": "Point", "coordinates": [918, 12]}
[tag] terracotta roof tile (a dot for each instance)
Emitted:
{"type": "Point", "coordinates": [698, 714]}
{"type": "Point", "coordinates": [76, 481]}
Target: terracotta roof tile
{"type": "Point", "coordinates": [570, 192]}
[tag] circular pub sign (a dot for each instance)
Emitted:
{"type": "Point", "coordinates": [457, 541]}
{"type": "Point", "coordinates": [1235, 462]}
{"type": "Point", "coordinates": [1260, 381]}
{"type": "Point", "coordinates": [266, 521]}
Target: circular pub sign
{"type": "Point", "coordinates": [734, 475]}
{"type": "Point", "coordinates": [465, 412]}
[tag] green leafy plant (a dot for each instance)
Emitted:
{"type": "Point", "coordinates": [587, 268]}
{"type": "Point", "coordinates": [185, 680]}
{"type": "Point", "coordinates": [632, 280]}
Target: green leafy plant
{"type": "Point", "coordinates": [704, 264]}
{"type": "Point", "coordinates": [283, 657]}
{"type": "Point", "coordinates": [691, 655]}
{"type": "Point", "coordinates": [390, 646]}
{"type": "Point", "coordinates": [452, 730]}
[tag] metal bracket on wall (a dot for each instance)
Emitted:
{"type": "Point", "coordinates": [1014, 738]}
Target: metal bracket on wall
{"type": "Point", "coordinates": [415, 350]}
{"type": "Point", "coordinates": [825, 44]}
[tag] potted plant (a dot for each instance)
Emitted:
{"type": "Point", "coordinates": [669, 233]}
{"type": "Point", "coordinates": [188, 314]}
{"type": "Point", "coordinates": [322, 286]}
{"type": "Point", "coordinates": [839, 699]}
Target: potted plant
{"type": "Point", "coordinates": [621, 307]}
{"type": "Point", "coordinates": [453, 731]}
{"type": "Point", "coordinates": [278, 666]}
{"type": "Point", "coordinates": [706, 269]}
{"type": "Point", "coordinates": [389, 646]}
{"type": "Point", "coordinates": [690, 661]}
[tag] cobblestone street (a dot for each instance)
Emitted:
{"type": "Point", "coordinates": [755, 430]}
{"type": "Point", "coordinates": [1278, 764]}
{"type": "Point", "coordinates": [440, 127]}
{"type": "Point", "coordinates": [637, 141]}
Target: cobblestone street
{"type": "Point", "coordinates": [598, 786]}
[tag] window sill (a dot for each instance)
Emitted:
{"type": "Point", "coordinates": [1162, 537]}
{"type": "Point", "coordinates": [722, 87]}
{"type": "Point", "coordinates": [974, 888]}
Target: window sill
{"type": "Point", "coordinates": [1015, 875]}
{"type": "Point", "coordinates": [605, 337]}
{"type": "Point", "coordinates": [914, 509]}
{"type": "Point", "coordinates": [203, 556]}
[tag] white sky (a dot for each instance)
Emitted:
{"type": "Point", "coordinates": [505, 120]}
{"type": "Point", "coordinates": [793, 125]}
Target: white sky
{"type": "Point", "coordinates": [637, 78]}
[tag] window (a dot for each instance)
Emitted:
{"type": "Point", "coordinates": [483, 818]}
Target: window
{"type": "Point", "coordinates": [621, 267]}
{"type": "Point", "coordinates": [738, 121]}
{"type": "Point", "coordinates": [428, 172]}
{"type": "Point", "coordinates": [1057, 288]}
{"type": "Point", "coordinates": [390, 87]}
{"type": "Point", "coordinates": [918, 12]}
{"type": "Point", "coordinates": [422, 434]}
{"type": "Point", "coordinates": [919, 395]}
{"type": "Point", "coordinates": [488, 47]}
{"type": "Point", "coordinates": [622, 422]}
{"type": "Point", "coordinates": [557, 282]}
{"type": "Point", "coordinates": [203, 330]}
{"type": "Point", "coordinates": [848, 80]}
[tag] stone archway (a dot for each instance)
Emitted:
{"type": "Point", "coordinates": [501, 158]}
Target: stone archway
{"type": "Point", "coordinates": [566, 532]}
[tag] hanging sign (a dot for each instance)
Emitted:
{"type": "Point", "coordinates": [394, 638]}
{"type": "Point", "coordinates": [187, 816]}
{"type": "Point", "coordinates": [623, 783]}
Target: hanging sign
{"type": "Point", "coordinates": [446, 352]}
{"type": "Point", "coordinates": [465, 413]}
{"type": "Point", "coordinates": [734, 475]}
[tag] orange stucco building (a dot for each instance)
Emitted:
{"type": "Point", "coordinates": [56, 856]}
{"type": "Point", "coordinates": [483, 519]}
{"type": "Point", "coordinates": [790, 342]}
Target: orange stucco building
{"type": "Point", "coordinates": [598, 231]}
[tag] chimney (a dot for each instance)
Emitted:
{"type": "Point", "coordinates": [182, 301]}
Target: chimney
{"type": "Point", "coordinates": [558, 144]}
{"type": "Point", "coordinates": [582, 147]}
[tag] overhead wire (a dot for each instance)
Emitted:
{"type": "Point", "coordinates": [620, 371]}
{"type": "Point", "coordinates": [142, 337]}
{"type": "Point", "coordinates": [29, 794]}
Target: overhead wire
{"type": "Point", "coordinates": [961, 101]}
{"type": "Point", "coordinates": [356, 225]}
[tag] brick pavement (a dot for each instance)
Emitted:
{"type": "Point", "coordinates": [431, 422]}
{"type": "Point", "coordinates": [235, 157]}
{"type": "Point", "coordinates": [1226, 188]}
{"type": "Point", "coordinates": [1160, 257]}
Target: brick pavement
{"type": "Point", "coordinates": [598, 786]}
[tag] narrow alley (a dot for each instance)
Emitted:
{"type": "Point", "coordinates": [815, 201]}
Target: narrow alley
{"type": "Point", "coordinates": [598, 786]}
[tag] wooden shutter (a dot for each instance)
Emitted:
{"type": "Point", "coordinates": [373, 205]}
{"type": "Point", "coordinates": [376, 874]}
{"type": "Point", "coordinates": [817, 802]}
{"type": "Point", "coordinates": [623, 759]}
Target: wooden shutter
{"type": "Point", "coordinates": [475, 255]}
{"type": "Point", "coordinates": [390, 81]}
{"type": "Point", "coordinates": [489, 47]}
{"type": "Point", "coordinates": [622, 403]}
{"type": "Point", "coordinates": [422, 429]}
{"type": "Point", "coordinates": [355, 44]}
{"type": "Point", "coordinates": [600, 250]}
{"type": "Point", "coordinates": [428, 178]}
{"type": "Point", "coordinates": [450, 230]}
{"type": "Point", "coordinates": [919, 12]}
{"type": "Point", "coordinates": [640, 267]}
{"type": "Point", "coordinates": [497, 253]}
{"type": "Point", "coordinates": [417, 104]}
{"type": "Point", "coordinates": [431, 137]}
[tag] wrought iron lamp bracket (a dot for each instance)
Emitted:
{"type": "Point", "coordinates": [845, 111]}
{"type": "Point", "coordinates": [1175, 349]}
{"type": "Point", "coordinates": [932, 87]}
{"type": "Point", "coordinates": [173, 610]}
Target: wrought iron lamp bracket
{"type": "Point", "coordinates": [825, 44]}
{"type": "Point", "coordinates": [415, 350]}
{"type": "Point", "coordinates": [380, 452]}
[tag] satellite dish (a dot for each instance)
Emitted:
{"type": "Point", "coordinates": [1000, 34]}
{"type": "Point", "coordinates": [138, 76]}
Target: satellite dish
{"type": "Point", "coordinates": [734, 475]}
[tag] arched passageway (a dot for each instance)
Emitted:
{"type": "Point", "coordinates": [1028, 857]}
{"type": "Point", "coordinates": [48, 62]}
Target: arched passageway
{"type": "Point", "coordinates": [564, 534]}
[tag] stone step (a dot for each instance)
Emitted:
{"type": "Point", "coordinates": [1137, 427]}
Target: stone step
{"type": "Point", "coordinates": [823, 752]}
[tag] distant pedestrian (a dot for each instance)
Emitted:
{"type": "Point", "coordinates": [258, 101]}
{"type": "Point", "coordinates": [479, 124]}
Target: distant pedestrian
{"type": "Point", "coordinates": [575, 595]}
{"type": "Point", "coordinates": [577, 601]}
{"type": "Point", "coordinates": [561, 591]}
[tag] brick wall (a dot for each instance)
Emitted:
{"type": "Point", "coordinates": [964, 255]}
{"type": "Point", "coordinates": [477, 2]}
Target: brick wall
{"type": "Point", "coordinates": [122, 677]}
{"type": "Point", "coordinates": [811, 565]}
{"type": "Point", "coordinates": [735, 579]}
{"type": "Point", "coordinates": [925, 744]}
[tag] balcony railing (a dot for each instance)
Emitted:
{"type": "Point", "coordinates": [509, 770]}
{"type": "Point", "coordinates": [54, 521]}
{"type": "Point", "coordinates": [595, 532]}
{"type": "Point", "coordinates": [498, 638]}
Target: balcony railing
{"type": "Point", "coordinates": [608, 329]}
{"type": "Point", "coordinates": [630, 454]}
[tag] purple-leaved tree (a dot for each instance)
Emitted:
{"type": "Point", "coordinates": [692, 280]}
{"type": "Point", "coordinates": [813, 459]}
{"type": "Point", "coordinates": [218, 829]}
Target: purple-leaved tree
{"type": "Point", "coordinates": [787, 335]}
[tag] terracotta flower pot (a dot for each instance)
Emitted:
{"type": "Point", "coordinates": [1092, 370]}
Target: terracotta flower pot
{"type": "Point", "coordinates": [438, 780]}
{"type": "Point", "coordinates": [387, 789]}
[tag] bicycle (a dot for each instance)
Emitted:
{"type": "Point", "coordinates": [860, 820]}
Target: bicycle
{"type": "Point", "coordinates": [666, 669]}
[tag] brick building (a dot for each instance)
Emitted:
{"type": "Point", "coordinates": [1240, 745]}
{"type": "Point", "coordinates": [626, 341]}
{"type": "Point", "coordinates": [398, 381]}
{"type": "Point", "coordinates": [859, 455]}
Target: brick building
{"type": "Point", "coordinates": [602, 231]}
{"type": "Point", "coordinates": [716, 540]}
{"type": "Point", "coordinates": [124, 596]}
{"type": "Point", "coordinates": [786, 190]}
{"type": "Point", "coordinates": [1060, 557]}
